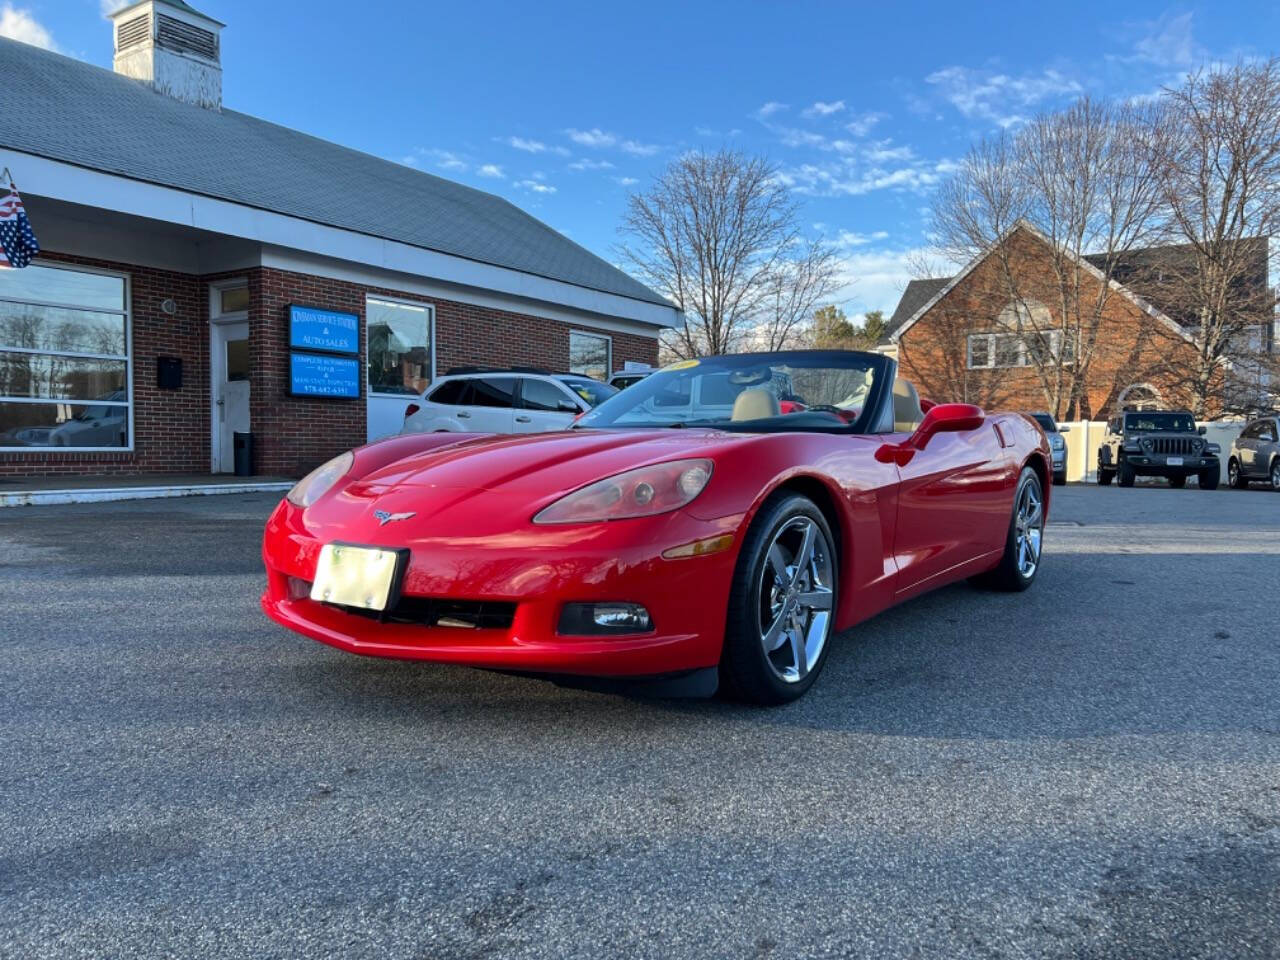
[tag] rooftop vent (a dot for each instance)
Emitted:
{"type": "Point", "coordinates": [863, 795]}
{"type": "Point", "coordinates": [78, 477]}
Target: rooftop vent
{"type": "Point", "coordinates": [172, 48]}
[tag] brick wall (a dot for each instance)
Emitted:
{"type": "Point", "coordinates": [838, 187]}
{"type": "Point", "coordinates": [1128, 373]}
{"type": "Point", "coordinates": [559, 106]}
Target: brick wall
{"type": "Point", "coordinates": [1132, 347]}
{"type": "Point", "coordinates": [291, 434]}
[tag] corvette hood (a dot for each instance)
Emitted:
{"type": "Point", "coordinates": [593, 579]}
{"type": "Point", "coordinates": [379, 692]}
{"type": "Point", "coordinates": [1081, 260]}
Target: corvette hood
{"type": "Point", "coordinates": [544, 464]}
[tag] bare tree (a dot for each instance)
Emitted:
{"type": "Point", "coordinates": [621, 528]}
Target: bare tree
{"type": "Point", "coordinates": [1220, 179]}
{"type": "Point", "coordinates": [1081, 176]}
{"type": "Point", "coordinates": [718, 234]}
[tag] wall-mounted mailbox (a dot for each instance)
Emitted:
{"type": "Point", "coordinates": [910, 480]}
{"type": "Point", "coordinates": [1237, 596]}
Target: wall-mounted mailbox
{"type": "Point", "coordinates": [169, 373]}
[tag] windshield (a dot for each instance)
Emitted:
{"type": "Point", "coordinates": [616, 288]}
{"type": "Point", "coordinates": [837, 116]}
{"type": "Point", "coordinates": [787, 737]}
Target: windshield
{"type": "Point", "coordinates": [592, 391]}
{"type": "Point", "coordinates": [1160, 423]}
{"type": "Point", "coordinates": [1046, 422]}
{"type": "Point", "coordinates": [791, 390]}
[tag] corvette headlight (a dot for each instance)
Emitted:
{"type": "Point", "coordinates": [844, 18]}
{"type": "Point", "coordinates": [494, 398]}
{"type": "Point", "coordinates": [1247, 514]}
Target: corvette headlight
{"type": "Point", "coordinates": [320, 480]}
{"type": "Point", "coordinates": [645, 492]}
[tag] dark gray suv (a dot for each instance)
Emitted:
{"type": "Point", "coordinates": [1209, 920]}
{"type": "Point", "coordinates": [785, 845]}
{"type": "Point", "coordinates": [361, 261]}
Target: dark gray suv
{"type": "Point", "coordinates": [1157, 443]}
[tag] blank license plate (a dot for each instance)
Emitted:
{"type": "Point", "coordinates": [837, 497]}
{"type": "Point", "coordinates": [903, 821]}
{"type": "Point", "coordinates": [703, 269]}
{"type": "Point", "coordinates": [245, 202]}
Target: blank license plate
{"type": "Point", "coordinates": [1174, 461]}
{"type": "Point", "coordinates": [356, 576]}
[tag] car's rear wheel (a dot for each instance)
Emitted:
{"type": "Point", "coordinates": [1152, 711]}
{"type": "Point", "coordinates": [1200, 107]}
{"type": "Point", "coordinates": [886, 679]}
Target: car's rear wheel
{"type": "Point", "coordinates": [1021, 559]}
{"type": "Point", "coordinates": [782, 605]}
{"type": "Point", "coordinates": [1125, 475]}
{"type": "Point", "coordinates": [1235, 479]}
{"type": "Point", "coordinates": [1178, 481]}
{"type": "Point", "coordinates": [1275, 474]}
{"type": "Point", "coordinates": [1105, 477]}
{"type": "Point", "coordinates": [1060, 479]}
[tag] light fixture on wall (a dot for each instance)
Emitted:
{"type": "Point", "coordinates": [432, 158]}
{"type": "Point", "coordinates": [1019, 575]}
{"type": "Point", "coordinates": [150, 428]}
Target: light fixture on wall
{"type": "Point", "coordinates": [169, 307]}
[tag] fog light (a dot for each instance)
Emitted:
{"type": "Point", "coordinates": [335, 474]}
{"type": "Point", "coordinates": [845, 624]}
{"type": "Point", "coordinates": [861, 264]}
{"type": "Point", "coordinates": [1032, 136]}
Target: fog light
{"type": "Point", "coordinates": [299, 589]}
{"type": "Point", "coordinates": [595, 619]}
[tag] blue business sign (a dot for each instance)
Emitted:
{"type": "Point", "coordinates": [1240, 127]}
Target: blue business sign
{"type": "Point", "coordinates": [314, 375]}
{"type": "Point", "coordinates": [329, 330]}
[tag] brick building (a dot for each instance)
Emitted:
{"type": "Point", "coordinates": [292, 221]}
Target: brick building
{"type": "Point", "coordinates": [994, 334]}
{"type": "Point", "coordinates": [204, 272]}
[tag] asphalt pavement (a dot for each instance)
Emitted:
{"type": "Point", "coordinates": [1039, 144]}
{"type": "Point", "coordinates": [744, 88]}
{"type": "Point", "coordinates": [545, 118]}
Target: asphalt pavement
{"type": "Point", "coordinates": [1090, 769]}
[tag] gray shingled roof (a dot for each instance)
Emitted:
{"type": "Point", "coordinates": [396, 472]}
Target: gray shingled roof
{"type": "Point", "coordinates": [915, 296]}
{"type": "Point", "coordinates": [81, 114]}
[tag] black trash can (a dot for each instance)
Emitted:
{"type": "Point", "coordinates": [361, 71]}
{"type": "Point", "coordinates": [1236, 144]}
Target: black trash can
{"type": "Point", "coordinates": [242, 444]}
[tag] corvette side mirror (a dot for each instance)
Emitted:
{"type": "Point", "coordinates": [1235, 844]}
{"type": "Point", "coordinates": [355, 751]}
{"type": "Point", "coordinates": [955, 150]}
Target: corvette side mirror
{"type": "Point", "coordinates": [944, 418]}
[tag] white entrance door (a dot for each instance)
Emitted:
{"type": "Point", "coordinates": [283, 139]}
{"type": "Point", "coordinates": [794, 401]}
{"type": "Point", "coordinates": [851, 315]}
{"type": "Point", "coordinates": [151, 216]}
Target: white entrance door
{"type": "Point", "coordinates": [229, 369]}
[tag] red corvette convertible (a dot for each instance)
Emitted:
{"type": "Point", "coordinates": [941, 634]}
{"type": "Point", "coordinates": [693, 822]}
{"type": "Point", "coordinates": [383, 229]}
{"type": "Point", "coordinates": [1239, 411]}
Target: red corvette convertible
{"type": "Point", "coordinates": [714, 525]}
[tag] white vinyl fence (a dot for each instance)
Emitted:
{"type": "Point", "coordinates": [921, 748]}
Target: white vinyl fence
{"type": "Point", "coordinates": [1083, 438]}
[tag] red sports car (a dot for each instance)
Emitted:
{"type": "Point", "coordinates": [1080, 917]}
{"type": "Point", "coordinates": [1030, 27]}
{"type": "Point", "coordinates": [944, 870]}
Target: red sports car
{"type": "Point", "coordinates": [687, 534]}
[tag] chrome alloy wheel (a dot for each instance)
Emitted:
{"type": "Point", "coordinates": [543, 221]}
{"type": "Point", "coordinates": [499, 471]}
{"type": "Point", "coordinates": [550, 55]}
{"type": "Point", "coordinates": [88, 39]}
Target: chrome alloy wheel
{"type": "Point", "coordinates": [1029, 528]}
{"type": "Point", "coordinates": [795, 598]}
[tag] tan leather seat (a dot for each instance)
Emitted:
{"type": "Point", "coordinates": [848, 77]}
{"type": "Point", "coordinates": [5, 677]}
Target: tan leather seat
{"type": "Point", "coordinates": [906, 407]}
{"type": "Point", "coordinates": [756, 405]}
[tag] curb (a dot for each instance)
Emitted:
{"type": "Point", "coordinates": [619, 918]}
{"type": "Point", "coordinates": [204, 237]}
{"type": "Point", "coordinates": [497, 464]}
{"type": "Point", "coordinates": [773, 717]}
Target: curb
{"type": "Point", "coordinates": [39, 498]}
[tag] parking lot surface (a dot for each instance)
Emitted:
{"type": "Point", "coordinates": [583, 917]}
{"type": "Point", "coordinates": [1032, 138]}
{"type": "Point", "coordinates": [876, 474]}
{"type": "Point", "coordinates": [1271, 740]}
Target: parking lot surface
{"type": "Point", "coordinates": [1091, 769]}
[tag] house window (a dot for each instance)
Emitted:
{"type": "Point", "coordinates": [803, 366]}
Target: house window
{"type": "Point", "coordinates": [65, 378]}
{"type": "Point", "coordinates": [1005, 350]}
{"type": "Point", "coordinates": [400, 360]}
{"type": "Point", "coordinates": [589, 355]}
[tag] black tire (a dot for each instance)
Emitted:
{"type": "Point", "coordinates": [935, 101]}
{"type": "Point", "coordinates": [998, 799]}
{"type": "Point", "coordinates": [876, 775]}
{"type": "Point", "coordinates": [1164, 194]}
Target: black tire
{"type": "Point", "coordinates": [1125, 475]}
{"type": "Point", "coordinates": [1209, 479]}
{"type": "Point", "coordinates": [1105, 477]}
{"type": "Point", "coordinates": [1275, 474]}
{"type": "Point", "coordinates": [746, 671]}
{"type": "Point", "coordinates": [1178, 482]}
{"type": "Point", "coordinates": [1009, 574]}
{"type": "Point", "coordinates": [1235, 479]}
{"type": "Point", "coordinates": [1060, 479]}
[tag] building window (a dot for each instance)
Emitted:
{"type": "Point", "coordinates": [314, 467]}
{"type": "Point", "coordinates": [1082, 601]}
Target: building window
{"type": "Point", "coordinates": [1004, 350]}
{"type": "Point", "coordinates": [589, 355]}
{"type": "Point", "coordinates": [65, 378]}
{"type": "Point", "coordinates": [400, 347]}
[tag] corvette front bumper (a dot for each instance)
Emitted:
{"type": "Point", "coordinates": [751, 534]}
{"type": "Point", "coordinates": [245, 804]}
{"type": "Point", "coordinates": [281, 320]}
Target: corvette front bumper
{"type": "Point", "coordinates": [532, 574]}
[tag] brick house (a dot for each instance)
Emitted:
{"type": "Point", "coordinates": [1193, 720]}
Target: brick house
{"type": "Point", "coordinates": [982, 338]}
{"type": "Point", "coordinates": [204, 272]}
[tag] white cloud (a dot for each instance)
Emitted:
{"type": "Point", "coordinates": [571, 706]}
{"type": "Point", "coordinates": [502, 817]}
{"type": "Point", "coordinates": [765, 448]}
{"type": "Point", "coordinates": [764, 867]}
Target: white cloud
{"type": "Point", "coordinates": [820, 109]}
{"type": "Point", "coordinates": [874, 279]}
{"type": "Point", "coordinates": [770, 108]}
{"type": "Point", "coordinates": [999, 97]}
{"type": "Point", "coordinates": [627, 181]}
{"type": "Point", "coordinates": [449, 161]}
{"type": "Point", "coordinates": [846, 239]}
{"type": "Point", "coordinates": [19, 24]}
{"type": "Point", "coordinates": [637, 149]}
{"type": "Point", "coordinates": [586, 163]}
{"type": "Point", "coordinates": [534, 146]}
{"type": "Point", "coordinates": [535, 186]}
{"type": "Point", "coordinates": [594, 138]}
{"type": "Point", "coordinates": [849, 177]}
{"type": "Point", "coordinates": [862, 123]}
{"type": "Point", "coordinates": [109, 7]}
{"type": "Point", "coordinates": [492, 171]}
{"type": "Point", "coordinates": [1167, 42]}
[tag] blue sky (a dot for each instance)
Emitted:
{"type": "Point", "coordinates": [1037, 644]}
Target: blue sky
{"type": "Point", "coordinates": [565, 107]}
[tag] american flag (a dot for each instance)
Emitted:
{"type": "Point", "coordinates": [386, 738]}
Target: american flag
{"type": "Point", "coordinates": [17, 240]}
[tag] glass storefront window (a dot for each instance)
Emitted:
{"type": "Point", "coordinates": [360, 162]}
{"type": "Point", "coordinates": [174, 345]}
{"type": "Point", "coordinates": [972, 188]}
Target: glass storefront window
{"type": "Point", "coordinates": [589, 355]}
{"type": "Point", "coordinates": [399, 347]}
{"type": "Point", "coordinates": [64, 359]}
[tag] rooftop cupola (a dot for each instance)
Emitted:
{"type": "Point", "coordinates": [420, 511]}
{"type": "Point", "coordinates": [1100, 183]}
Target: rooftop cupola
{"type": "Point", "coordinates": [172, 48]}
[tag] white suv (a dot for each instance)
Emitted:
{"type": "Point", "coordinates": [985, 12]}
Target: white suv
{"type": "Point", "coordinates": [518, 400]}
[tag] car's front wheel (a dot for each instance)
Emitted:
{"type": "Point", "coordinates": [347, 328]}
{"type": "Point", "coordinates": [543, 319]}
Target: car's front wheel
{"type": "Point", "coordinates": [1125, 475]}
{"type": "Point", "coordinates": [1275, 474]}
{"type": "Point", "coordinates": [782, 606]}
{"type": "Point", "coordinates": [1209, 479]}
{"type": "Point", "coordinates": [1235, 479]}
{"type": "Point", "coordinates": [1105, 477]}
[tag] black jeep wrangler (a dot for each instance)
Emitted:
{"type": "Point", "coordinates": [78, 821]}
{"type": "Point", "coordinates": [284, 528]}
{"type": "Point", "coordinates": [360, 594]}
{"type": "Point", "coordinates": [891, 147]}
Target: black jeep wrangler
{"type": "Point", "coordinates": [1157, 443]}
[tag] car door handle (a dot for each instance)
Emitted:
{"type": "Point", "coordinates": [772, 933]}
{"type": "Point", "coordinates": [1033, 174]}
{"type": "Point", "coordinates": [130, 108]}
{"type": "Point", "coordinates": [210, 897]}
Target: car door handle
{"type": "Point", "coordinates": [463, 415]}
{"type": "Point", "coordinates": [523, 419]}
